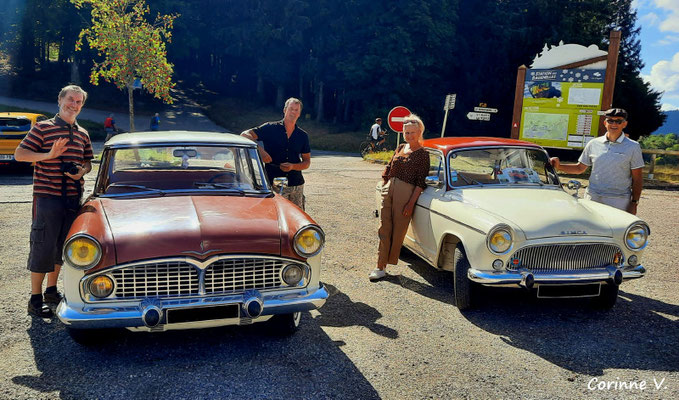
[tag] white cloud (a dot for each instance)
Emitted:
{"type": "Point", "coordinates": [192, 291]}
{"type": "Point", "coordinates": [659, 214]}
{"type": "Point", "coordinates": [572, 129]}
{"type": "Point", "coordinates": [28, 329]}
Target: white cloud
{"type": "Point", "coordinates": [650, 19]}
{"type": "Point", "coordinates": [668, 107]}
{"type": "Point", "coordinates": [670, 22]}
{"type": "Point", "coordinates": [664, 77]}
{"type": "Point", "coordinates": [667, 40]}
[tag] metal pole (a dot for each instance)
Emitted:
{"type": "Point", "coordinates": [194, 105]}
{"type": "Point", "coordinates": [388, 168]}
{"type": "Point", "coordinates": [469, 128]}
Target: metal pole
{"type": "Point", "coordinates": [445, 119]}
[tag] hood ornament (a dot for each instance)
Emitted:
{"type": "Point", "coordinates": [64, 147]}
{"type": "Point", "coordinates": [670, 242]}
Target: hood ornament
{"type": "Point", "coordinates": [202, 251]}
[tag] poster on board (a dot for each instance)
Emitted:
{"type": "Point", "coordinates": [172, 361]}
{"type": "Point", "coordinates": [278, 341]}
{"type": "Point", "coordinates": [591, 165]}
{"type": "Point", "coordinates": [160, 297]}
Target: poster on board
{"type": "Point", "coordinates": [560, 106]}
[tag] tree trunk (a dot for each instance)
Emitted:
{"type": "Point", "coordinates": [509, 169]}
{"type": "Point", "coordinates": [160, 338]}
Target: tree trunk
{"type": "Point", "coordinates": [260, 87]}
{"type": "Point", "coordinates": [280, 93]}
{"type": "Point", "coordinates": [75, 72]}
{"type": "Point", "coordinates": [130, 99]}
{"type": "Point", "coordinates": [319, 102]}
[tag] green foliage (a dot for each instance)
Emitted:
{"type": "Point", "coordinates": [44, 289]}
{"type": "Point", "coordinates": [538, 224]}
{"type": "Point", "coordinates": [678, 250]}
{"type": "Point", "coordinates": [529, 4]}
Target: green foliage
{"type": "Point", "coordinates": [132, 47]}
{"type": "Point", "coordinates": [669, 141]}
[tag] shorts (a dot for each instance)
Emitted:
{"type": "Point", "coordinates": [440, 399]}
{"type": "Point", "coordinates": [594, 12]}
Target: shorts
{"type": "Point", "coordinates": [52, 218]}
{"type": "Point", "coordinates": [295, 194]}
{"type": "Point", "coordinates": [619, 202]}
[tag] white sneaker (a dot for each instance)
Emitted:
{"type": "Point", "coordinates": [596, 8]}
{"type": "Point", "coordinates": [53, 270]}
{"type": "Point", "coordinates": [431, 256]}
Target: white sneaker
{"type": "Point", "coordinates": [377, 274]}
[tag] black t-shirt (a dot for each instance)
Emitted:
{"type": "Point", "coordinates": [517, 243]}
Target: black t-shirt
{"type": "Point", "coordinates": [283, 149]}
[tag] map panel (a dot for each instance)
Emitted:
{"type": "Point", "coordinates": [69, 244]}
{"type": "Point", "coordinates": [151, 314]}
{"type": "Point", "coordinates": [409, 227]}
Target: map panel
{"type": "Point", "coordinates": [545, 126]}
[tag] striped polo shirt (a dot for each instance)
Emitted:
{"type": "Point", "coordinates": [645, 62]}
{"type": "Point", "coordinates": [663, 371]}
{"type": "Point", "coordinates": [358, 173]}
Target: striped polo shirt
{"type": "Point", "coordinates": [47, 175]}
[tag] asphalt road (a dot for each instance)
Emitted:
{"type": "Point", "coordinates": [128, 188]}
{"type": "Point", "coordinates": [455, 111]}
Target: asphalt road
{"type": "Point", "coordinates": [401, 338]}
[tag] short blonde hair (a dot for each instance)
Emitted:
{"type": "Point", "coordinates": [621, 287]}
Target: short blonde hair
{"type": "Point", "coordinates": [416, 119]}
{"type": "Point", "coordinates": [293, 100]}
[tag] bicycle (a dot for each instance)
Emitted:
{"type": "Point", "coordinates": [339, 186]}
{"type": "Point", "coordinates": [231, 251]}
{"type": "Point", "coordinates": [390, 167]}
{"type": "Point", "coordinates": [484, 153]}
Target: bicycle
{"type": "Point", "coordinates": [368, 146]}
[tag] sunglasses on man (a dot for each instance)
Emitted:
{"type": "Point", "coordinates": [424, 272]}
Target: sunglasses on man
{"type": "Point", "coordinates": [615, 121]}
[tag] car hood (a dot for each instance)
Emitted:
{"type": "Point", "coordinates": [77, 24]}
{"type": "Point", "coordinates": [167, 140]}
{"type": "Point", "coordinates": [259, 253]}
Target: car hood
{"type": "Point", "coordinates": [195, 226]}
{"type": "Point", "coordinates": [540, 212]}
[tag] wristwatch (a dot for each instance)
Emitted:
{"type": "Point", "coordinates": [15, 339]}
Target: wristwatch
{"type": "Point", "coordinates": [635, 201]}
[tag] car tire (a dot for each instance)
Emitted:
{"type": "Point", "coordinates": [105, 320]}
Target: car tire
{"type": "Point", "coordinates": [285, 324]}
{"type": "Point", "coordinates": [87, 337]}
{"type": "Point", "coordinates": [607, 298]}
{"type": "Point", "coordinates": [463, 288]}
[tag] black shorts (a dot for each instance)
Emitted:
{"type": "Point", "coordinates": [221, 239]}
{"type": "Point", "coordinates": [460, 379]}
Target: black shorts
{"type": "Point", "coordinates": [52, 218]}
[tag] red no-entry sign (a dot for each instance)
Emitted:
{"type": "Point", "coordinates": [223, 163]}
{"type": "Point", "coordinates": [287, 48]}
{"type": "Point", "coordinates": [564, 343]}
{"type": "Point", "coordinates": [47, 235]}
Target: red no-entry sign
{"type": "Point", "coordinates": [396, 117]}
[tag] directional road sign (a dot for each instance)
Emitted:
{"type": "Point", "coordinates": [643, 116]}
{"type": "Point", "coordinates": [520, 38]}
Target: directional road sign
{"type": "Point", "coordinates": [450, 102]}
{"type": "Point", "coordinates": [396, 117]}
{"type": "Point", "coordinates": [485, 109]}
{"type": "Point", "coordinates": [478, 116]}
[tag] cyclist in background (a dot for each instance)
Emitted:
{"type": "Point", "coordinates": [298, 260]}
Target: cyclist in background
{"type": "Point", "coordinates": [377, 134]}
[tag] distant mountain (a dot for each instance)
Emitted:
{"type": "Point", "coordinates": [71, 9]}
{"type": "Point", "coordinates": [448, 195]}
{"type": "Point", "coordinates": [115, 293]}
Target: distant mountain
{"type": "Point", "coordinates": [671, 123]}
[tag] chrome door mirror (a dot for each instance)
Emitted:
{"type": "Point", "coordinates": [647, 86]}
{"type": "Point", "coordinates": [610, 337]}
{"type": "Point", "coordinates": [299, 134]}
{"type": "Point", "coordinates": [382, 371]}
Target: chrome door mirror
{"type": "Point", "coordinates": [280, 183]}
{"type": "Point", "coordinates": [432, 180]}
{"type": "Point", "coordinates": [574, 185]}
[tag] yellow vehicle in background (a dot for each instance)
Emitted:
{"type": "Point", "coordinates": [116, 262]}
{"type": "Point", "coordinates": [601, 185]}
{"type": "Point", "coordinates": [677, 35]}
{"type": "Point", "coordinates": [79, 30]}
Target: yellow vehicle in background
{"type": "Point", "coordinates": [13, 128]}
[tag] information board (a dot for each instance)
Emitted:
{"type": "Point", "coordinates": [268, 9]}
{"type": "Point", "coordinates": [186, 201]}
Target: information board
{"type": "Point", "coordinates": [560, 106]}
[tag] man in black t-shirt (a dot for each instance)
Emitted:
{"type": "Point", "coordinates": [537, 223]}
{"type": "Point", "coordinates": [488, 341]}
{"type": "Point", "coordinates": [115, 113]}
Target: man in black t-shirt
{"type": "Point", "coordinates": [285, 150]}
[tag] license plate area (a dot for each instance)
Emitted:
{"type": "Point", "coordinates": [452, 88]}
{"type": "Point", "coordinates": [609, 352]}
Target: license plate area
{"type": "Point", "coordinates": [569, 291]}
{"type": "Point", "coordinates": [175, 316]}
{"type": "Point", "coordinates": [6, 157]}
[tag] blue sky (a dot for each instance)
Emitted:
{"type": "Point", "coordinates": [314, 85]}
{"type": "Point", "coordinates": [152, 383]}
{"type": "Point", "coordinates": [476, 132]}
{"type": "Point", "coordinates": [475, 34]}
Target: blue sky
{"type": "Point", "coordinates": [659, 22]}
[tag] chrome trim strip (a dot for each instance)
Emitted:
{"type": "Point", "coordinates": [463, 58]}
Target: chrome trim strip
{"type": "Point", "coordinates": [451, 219]}
{"type": "Point", "coordinates": [506, 278]}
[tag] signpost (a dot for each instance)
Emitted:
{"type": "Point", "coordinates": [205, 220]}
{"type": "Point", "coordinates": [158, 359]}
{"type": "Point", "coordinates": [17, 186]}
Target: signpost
{"type": "Point", "coordinates": [395, 120]}
{"type": "Point", "coordinates": [448, 105]}
{"type": "Point", "coordinates": [478, 116]}
{"type": "Point", "coordinates": [485, 110]}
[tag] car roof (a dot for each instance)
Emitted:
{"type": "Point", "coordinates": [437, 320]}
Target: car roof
{"type": "Point", "coordinates": [455, 143]}
{"type": "Point", "coordinates": [170, 137]}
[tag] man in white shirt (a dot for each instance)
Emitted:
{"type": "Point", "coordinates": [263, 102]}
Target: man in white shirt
{"type": "Point", "coordinates": [616, 161]}
{"type": "Point", "coordinates": [377, 133]}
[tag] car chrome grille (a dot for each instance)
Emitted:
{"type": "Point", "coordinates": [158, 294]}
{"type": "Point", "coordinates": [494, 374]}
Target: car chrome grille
{"type": "Point", "coordinates": [565, 257]}
{"type": "Point", "coordinates": [183, 278]}
{"type": "Point", "coordinates": [239, 274]}
{"type": "Point", "coordinates": [157, 279]}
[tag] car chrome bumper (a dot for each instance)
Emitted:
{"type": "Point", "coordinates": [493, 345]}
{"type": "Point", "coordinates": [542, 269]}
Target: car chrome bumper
{"type": "Point", "coordinates": [97, 316]}
{"type": "Point", "coordinates": [507, 278]}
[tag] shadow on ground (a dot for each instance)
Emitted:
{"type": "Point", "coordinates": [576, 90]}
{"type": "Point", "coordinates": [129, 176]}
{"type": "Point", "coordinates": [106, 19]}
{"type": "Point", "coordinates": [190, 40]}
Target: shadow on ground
{"type": "Point", "coordinates": [638, 333]}
{"type": "Point", "coordinates": [231, 362]}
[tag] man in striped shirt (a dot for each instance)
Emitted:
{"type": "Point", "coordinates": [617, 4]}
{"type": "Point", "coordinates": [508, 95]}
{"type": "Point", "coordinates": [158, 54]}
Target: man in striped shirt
{"type": "Point", "coordinates": [61, 151]}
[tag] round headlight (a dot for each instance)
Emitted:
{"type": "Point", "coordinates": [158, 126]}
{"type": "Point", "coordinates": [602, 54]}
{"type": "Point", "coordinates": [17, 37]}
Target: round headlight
{"type": "Point", "coordinates": [82, 252]}
{"type": "Point", "coordinates": [309, 241]}
{"type": "Point", "coordinates": [500, 240]}
{"type": "Point", "coordinates": [101, 286]}
{"type": "Point", "coordinates": [293, 274]}
{"type": "Point", "coordinates": [636, 237]}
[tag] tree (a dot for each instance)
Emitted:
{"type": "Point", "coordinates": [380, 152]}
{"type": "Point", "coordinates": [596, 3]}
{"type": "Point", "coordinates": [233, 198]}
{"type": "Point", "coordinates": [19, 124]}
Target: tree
{"type": "Point", "coordinates": [631, 92]}
{"type": "Point", "coordinates": [132, 47]}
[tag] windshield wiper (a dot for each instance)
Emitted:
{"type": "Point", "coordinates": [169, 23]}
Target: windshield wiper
{"type": "Point", "coordinates": [228, 186]}
{"type": "Point", "coordinates": [124, 185]}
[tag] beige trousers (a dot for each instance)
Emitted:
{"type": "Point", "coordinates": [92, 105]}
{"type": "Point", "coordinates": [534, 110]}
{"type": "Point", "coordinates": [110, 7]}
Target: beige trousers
{"type": "Point", "coordinates": [393, 225]}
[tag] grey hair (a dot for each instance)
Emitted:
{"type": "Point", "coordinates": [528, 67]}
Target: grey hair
{"type": "Point", "coordinates": [292, 100]}
{"type": "Point", "coordinates": [72, 88]}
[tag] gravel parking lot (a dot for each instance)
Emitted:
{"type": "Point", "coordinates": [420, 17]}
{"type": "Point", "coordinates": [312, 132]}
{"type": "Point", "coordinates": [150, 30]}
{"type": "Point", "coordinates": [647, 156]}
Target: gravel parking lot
{"type": "Point", "coordinates": [401, 338]}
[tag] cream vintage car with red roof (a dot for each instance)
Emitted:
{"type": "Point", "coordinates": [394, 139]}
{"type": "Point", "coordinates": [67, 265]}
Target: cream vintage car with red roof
{"type": "Point", "coordinates": [495, 214]}
{"type": "Point", "coordinates": [183, 230]}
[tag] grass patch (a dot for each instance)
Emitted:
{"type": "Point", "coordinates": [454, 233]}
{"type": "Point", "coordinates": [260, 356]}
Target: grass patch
{"type": "Point", "coordinates": [95, 129]}
{"type": "Point", "coordinates": [238, 115]}
{"type": "Point", "coordinates": [382, 157]}
{"type": "Point", "coordinates": [666, 173]}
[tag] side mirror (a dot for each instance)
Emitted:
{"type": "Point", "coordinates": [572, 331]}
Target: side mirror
{"type": "Point", "coordinates": [574, 185]}
{"type": "Point", "coordinates": [280, 183]}
{"type": "Point", "coordinates": [432, 180]}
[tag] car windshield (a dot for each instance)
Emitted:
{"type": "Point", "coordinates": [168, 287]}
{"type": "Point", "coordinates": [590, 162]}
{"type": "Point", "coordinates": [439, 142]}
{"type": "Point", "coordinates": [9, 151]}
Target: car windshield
{"type": "Point", "coordinates": [180, 168]}
{"type": "Point", "coordinates": [501, 166]}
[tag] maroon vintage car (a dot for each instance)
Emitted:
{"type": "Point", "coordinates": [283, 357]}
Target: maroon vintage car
{"type": "Point", "coordinates": [183, 230]}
